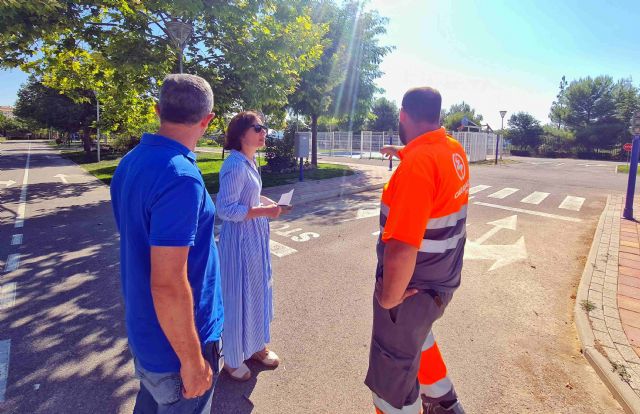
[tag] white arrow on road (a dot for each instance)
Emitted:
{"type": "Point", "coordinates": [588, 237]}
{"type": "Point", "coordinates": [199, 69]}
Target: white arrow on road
{"type": "Point", "coordinates": [62, 178]}
{"type": "Point", "coordinates": [367, 210]}
{"type": "Point", "coordinates": [7, 184]}
{"type": "Point", "coordinates": [501, 254]}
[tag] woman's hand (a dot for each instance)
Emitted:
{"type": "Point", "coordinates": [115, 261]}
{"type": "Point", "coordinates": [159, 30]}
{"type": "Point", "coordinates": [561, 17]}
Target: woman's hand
{"type": "Point", "coordinates": [272, 211]}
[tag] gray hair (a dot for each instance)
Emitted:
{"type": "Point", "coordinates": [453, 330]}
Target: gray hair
{"type": "Point", "coordinates": [185, 99]}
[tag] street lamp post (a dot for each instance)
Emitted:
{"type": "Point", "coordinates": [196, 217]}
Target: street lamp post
{"type": "Point", "coordinates": [97, 124]}
{"type": "Point", "coordinates": [179, 32]}
{"type": "Point", "coordinates": [502, 114]}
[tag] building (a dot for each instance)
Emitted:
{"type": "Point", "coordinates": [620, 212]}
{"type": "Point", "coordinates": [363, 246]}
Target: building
{"type": "Point", "coordinates": [7, 111]}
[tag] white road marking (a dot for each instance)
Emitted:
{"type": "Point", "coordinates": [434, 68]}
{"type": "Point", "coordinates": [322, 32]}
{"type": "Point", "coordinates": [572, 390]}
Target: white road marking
{"type": "Point", "coordinates": [536, 197]}
{"type": "Point", "coordinates": [562, 163]}
{"type": "Point", "coordinates": [7, 295]}
{"type": "Point", "coordinates": [62, 178]}
{"type": "Point", "coordinates": [279, 249]}
{"type": "Point", "coordinates": [533, 213]}
{"type": "Point", "coordinates": [23, 194]}
{"type": "Point", "coordinates": [376, 233]}
{"type": "Point", "coordinates": [7, 184]}
{"type": "Point", "coordinates": [13, 262]}
{"type": "Point", "coordinates": [572, 203]}
{"type": "Point", "coordinates": [504, 193]}
{"type": "Point", "coordinates": [5, 348]}
{"type": "Point", "coordinates": [16, 239]}
{"type": "Point", "coordinates": [478, 188]}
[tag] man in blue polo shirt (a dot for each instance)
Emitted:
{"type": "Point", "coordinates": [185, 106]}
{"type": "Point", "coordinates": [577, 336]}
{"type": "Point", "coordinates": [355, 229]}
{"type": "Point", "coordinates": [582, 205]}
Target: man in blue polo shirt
{"type": "Point", "coordinates": [169, 260]}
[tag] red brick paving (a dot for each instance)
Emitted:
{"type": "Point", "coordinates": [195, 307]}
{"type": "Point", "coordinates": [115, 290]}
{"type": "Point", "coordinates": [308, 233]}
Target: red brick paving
{"type": "Point", "coordinates": [629, 282]}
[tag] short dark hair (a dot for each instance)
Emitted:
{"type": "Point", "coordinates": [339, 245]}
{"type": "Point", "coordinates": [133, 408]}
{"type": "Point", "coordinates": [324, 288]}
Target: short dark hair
{"type": "Point", "coordinates": [185, 99]}
{"type": "Point", "coordinates": [237, 127]}
{"type": "Point", "coordinates": [423, 104]}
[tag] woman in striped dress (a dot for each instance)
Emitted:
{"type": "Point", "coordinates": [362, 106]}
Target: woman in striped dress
{"type": "Point", "coordinates": [245, 263]}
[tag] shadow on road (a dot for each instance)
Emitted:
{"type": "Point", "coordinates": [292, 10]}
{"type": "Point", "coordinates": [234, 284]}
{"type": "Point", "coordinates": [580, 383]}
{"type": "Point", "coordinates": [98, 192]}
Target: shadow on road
{"type": "Point", "coordinates": [68, 341]}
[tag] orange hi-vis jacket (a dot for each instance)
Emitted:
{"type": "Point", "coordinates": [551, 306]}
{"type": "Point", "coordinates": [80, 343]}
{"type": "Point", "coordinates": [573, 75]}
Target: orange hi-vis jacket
{"type": "Point", "coordinates": [424, 204]}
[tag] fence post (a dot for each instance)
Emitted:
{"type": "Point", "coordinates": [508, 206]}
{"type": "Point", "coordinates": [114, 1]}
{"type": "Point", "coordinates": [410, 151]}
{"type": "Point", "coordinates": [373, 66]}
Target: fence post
{"type": "Point", "coordinates": [332, 143]}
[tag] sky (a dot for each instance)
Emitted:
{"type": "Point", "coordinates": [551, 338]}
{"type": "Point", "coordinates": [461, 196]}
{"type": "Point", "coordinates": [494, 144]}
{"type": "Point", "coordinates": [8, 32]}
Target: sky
{"type": "Point", "coordinates": [494, 55]}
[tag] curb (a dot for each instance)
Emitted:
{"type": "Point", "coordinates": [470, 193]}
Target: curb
{"type": "Point", "coordinates": [621, 391]}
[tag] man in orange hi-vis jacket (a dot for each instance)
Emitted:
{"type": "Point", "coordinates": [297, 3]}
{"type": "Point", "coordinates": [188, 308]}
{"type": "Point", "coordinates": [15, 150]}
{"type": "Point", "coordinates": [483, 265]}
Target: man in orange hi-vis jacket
{"type": "Point", "coordinates": [420, 251]}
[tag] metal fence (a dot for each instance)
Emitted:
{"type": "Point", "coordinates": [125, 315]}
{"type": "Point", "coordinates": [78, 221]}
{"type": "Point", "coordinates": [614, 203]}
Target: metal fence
{"type": "Point", "coordinates": [367, 144]}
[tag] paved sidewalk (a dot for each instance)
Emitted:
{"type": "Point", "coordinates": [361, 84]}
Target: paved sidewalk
{"type": "Point", "coordinates": [608, 304]}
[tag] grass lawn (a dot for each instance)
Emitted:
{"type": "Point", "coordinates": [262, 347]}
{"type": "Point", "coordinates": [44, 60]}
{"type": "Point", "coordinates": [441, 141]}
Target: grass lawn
{"type": "Point", "coordinates": [210, 166]}
{"type": "Point", "coordinates": [208, 143]}
{"type": "Point", "coordinates": [625, 169]}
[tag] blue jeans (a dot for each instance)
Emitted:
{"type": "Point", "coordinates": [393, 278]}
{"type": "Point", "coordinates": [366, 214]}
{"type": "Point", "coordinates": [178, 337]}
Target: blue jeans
{"type": "Point", "coordinates": [161, 393]}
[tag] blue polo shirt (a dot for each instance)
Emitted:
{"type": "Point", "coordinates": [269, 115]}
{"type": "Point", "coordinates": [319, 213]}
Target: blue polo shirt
{"type": "Point", "coordinates": [159, 199]}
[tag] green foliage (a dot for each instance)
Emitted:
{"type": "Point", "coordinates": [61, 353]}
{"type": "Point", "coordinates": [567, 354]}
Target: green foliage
{"type": "Point", "coordinates": [557, 139]}
{"type": "Point", "coordinates": [342, 84]}
{"type": "Point", "coordinates": [559, 108]}
{"type": "Point", "coordinates": [385, 115]}
{"type": "Point", "coordinates": [452, 118]}
{"type": "Point", "coordinates": [597, 112]}
{"type": "Point", "coordinates": [279, 152]}
{"type": "Point", "coordinates": [48, 108]}
{"type": "Point", "coordinates": [10, 127]}
{"type": "Point", "coordinates": [524, 130]}
{"type": "Point", "coordinates": [252, 52]}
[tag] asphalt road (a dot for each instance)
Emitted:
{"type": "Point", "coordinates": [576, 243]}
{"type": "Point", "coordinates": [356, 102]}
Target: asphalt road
{"type": "Point", "coordinates": [508, 337]}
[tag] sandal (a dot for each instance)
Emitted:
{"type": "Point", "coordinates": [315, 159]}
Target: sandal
{"type": "Point", "coordinates": [240, 374]}
{"type": "Point", "coordinates": [269, 360]}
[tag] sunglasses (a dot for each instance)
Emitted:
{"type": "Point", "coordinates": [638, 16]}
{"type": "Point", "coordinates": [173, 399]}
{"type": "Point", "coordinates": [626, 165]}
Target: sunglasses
{"type": "Point", "coordinates": [258, 128]}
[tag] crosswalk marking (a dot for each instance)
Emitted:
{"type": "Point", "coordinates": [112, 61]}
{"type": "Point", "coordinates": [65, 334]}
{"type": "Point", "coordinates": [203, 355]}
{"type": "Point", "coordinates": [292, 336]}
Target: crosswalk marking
{"type": "Point", "coordinates": [536, 197]}
{"type": "Point", "coordinates": [505, 192]}
{"type": "Point", "coordinates": [534, 213]}
{"type": "Point", "coordinates": [279, 249]}
{"type": "Point", "coordinates": [478, 188]}
{"type": "Point", "coordinates": [7, 295]}
{"type": "Point", "coordinates": [13, 262]}
{"type": "Point", "coordinates": [572, 203]}
{"type": "Point", "coordinates": [5, 347]}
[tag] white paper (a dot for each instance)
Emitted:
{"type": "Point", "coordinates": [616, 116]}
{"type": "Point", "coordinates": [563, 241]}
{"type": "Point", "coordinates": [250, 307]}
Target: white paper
{"type": "Point", "coordinates": [285, 199]}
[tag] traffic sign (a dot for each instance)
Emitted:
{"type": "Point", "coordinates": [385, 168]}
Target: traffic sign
{"type": "Point", "coordinates": [627, 147]}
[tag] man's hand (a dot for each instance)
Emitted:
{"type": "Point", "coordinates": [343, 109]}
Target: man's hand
{"type": "Point", "coordinates": [197, 378]}
{"type": "Point", "coordinates": [389, 151]}
{"type": "Point", "coordinates": [388, 302]}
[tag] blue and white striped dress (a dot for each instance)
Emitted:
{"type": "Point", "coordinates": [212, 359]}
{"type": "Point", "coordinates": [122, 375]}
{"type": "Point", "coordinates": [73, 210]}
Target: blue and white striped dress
{"type": "Point", "coordinates": [245, 263]}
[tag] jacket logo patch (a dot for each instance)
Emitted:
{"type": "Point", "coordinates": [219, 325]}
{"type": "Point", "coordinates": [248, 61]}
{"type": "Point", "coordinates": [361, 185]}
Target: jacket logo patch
{"type": "Point", "coordinates": [458, 164]}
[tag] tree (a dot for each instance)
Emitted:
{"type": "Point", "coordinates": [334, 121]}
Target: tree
{"type": "Point", "coordinates": [385, 113]}
{"type": "Point", "coordinates": [8, 125]}
{"type": "Point", "coordinates": [592, 112]}
{"type": "Point", "coordinates": [559, 108]}
{"type": "Point", "coordinates": [627, 99]}
{"type": "Point", "coordinates": [524, 130]}
{"type": "Point", "coordinates": [453, 117]}
{"type": "Point", "coordinates": [251, 51]}
{"type": "Point", "coordinates": [342, 84]}
{"type": "Point", "coordinates": [45, 107]}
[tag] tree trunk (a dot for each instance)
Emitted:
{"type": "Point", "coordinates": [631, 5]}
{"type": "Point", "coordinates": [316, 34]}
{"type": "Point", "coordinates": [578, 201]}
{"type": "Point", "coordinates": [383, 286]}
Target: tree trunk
{"type": "Point", "coordinates": [314, 140]}
{"type": "Point", "coordinates": [86, 141]}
